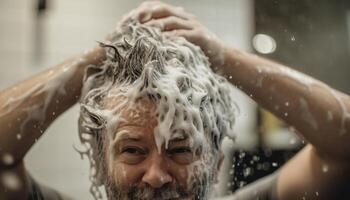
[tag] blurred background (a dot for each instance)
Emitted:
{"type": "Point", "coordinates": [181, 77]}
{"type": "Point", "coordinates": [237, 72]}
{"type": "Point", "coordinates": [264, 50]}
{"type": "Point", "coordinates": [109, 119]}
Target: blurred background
{"type": "Point", "coordinates": [311, 36]}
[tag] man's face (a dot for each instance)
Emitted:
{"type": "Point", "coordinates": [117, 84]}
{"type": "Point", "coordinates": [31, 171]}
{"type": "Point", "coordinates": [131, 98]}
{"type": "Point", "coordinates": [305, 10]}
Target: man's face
{"type": "Point", "coordinates": [136, 169]}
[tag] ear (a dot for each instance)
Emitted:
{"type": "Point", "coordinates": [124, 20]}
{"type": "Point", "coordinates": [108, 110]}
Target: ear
{"type": "Point", "coordinates": [221, 159]}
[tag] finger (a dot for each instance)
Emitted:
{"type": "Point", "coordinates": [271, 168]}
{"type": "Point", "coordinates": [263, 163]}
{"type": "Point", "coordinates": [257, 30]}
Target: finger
{"type": "Point", "coordinates": [170, 23]}
{"type": "Point", "coordinates": [157, 10]}
{"type": "Point", "coordinates": [180, 33]}
{"type": "Point", "coordinates": [165, 10]}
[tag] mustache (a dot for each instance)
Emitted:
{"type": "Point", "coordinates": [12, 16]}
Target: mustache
{"type": "Point", "coordinates": [165, 192]}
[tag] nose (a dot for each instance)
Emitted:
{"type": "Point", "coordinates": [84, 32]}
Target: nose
{"type": "Point", "coordinates": [157, 174]}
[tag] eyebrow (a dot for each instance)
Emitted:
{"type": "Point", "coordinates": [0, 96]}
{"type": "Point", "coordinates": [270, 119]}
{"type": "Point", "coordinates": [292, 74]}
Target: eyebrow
{"type": "Point", "coordinates": [179, 137]}
{"type": "Point", "coordinates": [126, 135]}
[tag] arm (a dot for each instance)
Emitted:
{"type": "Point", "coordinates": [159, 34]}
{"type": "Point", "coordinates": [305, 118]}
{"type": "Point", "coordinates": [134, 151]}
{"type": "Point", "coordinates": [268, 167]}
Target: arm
{"type": "Point", "coordinates": [318, 112]}
{"type": "Point", "coordinates": [30, 106]}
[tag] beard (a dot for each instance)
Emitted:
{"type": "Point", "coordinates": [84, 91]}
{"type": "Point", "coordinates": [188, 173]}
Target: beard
{"type": "Point", "coordinates": [198, 190]}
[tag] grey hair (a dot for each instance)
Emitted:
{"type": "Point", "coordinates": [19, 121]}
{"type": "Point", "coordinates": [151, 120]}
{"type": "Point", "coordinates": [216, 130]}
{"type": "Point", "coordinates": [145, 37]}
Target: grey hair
{"type": "Point", "coordinates": [156, 67]}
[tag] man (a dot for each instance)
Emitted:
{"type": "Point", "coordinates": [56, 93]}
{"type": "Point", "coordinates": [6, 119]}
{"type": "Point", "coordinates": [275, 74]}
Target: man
{"type": "Point", "coordinates": [141, 148]}
{"type": "Point", "coordinates": [154, 115]}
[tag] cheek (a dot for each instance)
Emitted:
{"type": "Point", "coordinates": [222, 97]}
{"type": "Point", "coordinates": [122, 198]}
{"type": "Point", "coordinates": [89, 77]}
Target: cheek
{"type": "Point", "coordinates": [194, 173]}
{"type": "Point", "coordinates": [181, 174]}
{"type": "Point", "coordinates": [199, 170]}
{"type": "Point", "coordinates": [124, 175]}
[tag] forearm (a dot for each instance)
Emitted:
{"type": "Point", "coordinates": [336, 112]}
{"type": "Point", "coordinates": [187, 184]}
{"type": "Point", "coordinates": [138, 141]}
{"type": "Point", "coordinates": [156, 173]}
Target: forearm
{"type": "Point", "coordinates": [30, 106]}
{"type": "Point", "coordinates": [318, 112]}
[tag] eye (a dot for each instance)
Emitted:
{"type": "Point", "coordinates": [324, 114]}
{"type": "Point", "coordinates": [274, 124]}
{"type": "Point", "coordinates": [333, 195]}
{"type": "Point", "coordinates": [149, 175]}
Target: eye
{"type": "Point", "coordinates": [133, 151]}
{"type": "Point", "coordinates": [181, 155]}
{"type": "Point", "coordinates": [132, 155]}
{"type": "Point", "coordinates": [179, 150]}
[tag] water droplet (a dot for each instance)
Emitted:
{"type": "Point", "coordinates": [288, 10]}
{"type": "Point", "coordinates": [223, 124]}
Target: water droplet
{"type": "Point", "coordinates": [325, 168]}
{"type": "Point", "coordinates": [8, 159]}
{"type": "Point", "coordinates": [231, 171]}
{"type": "Point", "coordinates": [292, 141]}
{"type": "Point", "coordinates": [329, 116]}
{"type": "Point", "coordinates": [11, 181]}
{"type": "Point", "coordinates": [264, 44]}
{"type": "Point", "coordinates": [65, 69]}
{"type": "Point", "coordinates": [242, 155]}
{"type": "Point", "coordinates": [241, 184]}
{"type": "Point", "coordinates": [292, 38]}
{"type": "Point", "coordinates": [256, 158]}
{"type": "Point", "coordinates": [247, 171]}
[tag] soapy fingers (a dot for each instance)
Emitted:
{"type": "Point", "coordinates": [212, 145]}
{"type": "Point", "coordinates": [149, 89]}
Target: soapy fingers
{"type": "Point", "coordinates": [171, 23]}
{"type": "Point", "coordinates": [175, 21]}
{"type": "Point", "coordinates": [149, 10]}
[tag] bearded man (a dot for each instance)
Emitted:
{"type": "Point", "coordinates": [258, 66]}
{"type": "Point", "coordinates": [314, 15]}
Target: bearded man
{"type": "Point", "coordinates": [153, 115]}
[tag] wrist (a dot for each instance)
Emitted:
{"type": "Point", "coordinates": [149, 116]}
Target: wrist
{"type": "Point", "coordinates": [223, 57]}
{"type": "Point", "coordinates": [94, 56]}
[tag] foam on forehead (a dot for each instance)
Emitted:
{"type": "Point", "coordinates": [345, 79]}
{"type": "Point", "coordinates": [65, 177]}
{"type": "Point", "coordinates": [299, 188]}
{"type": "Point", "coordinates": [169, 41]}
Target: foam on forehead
{"type": "Point", "coordinates": [173, 73]}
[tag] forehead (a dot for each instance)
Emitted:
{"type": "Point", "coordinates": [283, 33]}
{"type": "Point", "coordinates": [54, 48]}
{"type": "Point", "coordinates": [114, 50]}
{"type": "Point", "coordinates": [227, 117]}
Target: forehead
{"type": "Point", "coordinates": [139, 113]}
{"type": "Point", "coordinates": [137, 118]}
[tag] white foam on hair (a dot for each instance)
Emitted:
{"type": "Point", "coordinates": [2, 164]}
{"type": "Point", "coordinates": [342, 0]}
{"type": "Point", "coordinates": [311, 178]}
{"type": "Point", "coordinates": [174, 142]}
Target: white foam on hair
{"type": "Point", "coordinates": [173, 73]}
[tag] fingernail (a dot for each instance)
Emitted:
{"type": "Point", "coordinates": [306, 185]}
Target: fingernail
{"type": "Point", "coordinates": [146, 17]}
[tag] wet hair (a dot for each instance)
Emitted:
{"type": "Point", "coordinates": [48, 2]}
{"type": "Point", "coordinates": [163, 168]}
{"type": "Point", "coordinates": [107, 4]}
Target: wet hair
{"type": "Point", "coordinates": [173, 73]}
